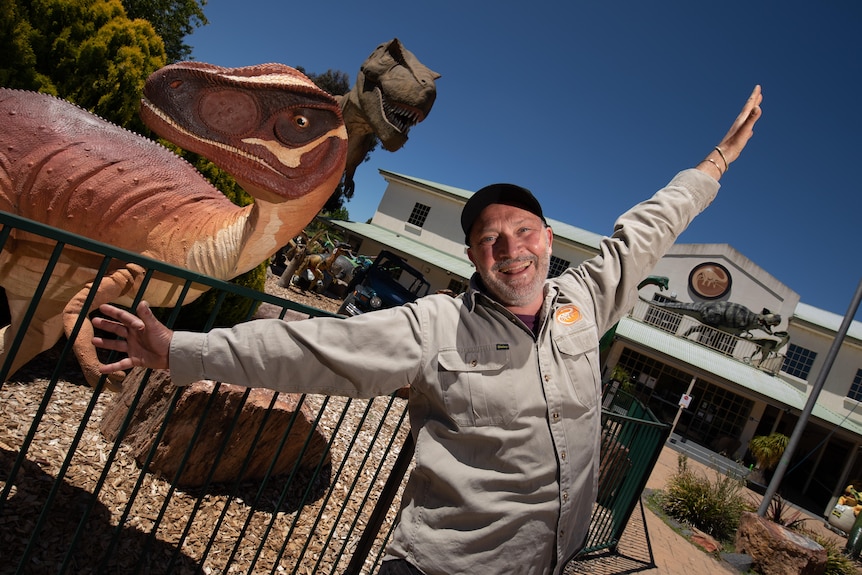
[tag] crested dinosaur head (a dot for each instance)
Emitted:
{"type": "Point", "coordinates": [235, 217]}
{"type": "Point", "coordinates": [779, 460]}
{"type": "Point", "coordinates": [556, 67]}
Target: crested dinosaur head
{"type": "Point", "coordinates": [269, 126]}
{"type": "Point", "coordinates": [396, 92]}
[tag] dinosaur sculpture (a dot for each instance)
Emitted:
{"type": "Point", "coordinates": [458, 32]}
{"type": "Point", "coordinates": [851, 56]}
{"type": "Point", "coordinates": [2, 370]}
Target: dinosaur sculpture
{"type": "Point", "coordinates": [768, 347]}
{"type": "Point", "coordinates": [727, 316]}
{"type": "Point", "coordinates": [393, 92]}
{"type": "Point", "coordinates": [317, 264]}
{"type": "Point", "coordinates": [607, 339]}
{"type": "Point", "coordinates": [280, 136]}
{"type": "Point", "coordinates": [294, 253]}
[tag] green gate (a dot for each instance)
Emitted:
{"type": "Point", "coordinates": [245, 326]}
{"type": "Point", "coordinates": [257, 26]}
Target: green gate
{"type": "Point", "coordinates": [631, 441]}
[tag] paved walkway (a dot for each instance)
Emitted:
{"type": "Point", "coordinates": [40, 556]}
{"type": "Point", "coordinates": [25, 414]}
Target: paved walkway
{"type": "Point", "coordinates": [673, 554]}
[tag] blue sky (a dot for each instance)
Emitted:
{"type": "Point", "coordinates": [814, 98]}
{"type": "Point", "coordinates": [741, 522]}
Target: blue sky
{"type": "Point", "coordinates": [596, 105]}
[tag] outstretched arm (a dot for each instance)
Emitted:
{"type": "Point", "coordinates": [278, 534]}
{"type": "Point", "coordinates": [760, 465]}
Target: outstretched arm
{"type": "Point", "coordinates": [144, 339]}
{"type": "Point", "coordinates": [728, 150]}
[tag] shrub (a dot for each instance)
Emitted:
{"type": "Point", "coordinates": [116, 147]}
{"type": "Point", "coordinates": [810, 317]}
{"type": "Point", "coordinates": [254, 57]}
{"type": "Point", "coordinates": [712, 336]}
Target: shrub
{"type": "Point", "coordinates": [837, 563]}
{"type": "Point", "coordinates": [768, 449]}
{"type": "Point", "coordinates": [714, 507]}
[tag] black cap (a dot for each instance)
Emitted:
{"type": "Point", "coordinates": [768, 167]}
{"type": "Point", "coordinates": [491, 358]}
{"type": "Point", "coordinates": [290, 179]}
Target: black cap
{"type": "Point", "coordinates": [508, 194]}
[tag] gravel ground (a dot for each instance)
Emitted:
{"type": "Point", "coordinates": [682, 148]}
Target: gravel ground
{"type": "Point", "coordinates": [129, 504]}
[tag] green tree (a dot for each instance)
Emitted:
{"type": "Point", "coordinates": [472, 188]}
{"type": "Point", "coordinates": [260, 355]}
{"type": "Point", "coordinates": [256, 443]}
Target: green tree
{"type": "Point", "coordinates": [86, 51]}
{"type": "Point", "coordinates": [173, 21]}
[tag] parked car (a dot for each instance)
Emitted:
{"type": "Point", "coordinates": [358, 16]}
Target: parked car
{"type": "Point", "coordinates": [388, 282]}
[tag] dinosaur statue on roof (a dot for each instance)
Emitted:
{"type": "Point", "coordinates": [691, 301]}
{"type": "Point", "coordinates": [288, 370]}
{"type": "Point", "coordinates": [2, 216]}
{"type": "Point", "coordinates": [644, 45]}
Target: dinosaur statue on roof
{"type": "Point", "coordinates": [768, 347]}
{"type": "Point", "coordinates": [605, 342]}
{"type": "Point", "coordinates": [393, 92]}
{"type": "Point", "coordinates": [726, 316]}
{"type": "Point", "coordinates": [282, 138]}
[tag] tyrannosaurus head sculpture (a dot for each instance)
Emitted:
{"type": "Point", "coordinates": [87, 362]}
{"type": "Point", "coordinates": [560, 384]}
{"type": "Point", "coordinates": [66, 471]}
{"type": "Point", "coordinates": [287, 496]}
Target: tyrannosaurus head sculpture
{"type": "Point", "coordinates": [271, 144]}
{"type": "Point", "coordinates": [393, 92]}
{"type": "Point", "coordinates": [397, 92]}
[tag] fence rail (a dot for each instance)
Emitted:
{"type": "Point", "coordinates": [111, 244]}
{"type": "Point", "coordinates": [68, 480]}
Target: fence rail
{"type": "Point", "coordinates": [73, 500]}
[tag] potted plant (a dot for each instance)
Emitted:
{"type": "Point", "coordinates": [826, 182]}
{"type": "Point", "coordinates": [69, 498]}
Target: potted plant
{"type": "Point", "coordinates": [767, 450]}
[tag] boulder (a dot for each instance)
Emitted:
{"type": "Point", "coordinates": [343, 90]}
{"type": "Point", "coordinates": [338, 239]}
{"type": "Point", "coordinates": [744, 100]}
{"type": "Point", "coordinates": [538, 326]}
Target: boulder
{"type": "Point", "coordinates": [194, 400]}
{"type": "Point", "coordinates": [776, 550]}
{"type": "Point", "coordinates": [705, 541]}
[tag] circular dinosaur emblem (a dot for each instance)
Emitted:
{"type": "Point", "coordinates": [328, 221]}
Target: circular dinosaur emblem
{"type": "Point", "coordinates": [568, 314]}
{"type": "Point", "coordinates": [709, 280]}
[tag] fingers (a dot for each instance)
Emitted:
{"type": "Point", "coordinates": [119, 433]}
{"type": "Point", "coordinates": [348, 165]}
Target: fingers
{"type": "Point", "coordinates": [110, 344]}
{"type": "Point", "coordinates": [742, 128]}
{"type": "Point", "coordinates": [130, 320]}
{"type": "Point", "coordinates": [121, 365]}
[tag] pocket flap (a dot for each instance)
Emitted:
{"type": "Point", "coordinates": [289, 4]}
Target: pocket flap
{"type": "Point", "coordinates": [577, 342]}
{"type": "Point", "coordinates": [475, 359]}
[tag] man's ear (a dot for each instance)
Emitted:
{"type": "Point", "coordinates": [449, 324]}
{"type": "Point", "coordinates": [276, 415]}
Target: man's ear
{"type": "Point", "coordinates": [470, 256]}
{"type": "Point", "coordinates": [550, 233]}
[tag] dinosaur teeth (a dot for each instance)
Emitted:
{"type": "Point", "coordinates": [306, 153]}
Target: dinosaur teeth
{"type": "Point", "coordinates": [402, 118]}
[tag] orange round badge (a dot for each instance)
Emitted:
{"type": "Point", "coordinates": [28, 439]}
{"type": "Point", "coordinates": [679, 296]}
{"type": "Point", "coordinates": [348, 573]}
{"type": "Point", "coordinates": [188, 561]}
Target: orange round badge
{"type": "Point", "coordinates": [568, 314]}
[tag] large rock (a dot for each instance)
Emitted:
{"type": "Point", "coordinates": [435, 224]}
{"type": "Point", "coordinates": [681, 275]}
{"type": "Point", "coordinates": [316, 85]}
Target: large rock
{"type": "Point", "coordinates": [152, 410]}
{"type": "Point", "coordinates": [776, 550]}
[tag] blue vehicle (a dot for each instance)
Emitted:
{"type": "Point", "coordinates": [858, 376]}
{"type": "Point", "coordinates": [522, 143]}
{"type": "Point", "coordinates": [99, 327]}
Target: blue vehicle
{"type": "Point", "coordinates": [388, 282]}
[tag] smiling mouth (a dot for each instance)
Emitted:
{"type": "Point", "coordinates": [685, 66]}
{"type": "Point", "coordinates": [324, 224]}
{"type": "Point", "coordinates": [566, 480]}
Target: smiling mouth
{"type": "Point", "coordinates": [511, 267]}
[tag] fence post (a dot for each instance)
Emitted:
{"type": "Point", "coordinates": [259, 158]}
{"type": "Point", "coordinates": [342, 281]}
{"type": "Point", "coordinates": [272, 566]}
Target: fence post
{"type": "Point", "coordinates": [387, 496]}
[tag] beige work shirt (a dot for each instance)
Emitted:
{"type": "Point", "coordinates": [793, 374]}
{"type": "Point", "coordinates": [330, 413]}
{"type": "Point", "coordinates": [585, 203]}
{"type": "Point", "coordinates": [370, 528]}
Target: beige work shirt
{"type": "Point", "coordinates": [506, 423]}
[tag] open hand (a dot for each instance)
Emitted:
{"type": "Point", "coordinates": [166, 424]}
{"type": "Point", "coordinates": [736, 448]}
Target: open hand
{"type": "Point", "coordinates": [144, 339]}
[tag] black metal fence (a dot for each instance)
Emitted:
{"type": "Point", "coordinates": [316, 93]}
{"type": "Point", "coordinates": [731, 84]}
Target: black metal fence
{"type": "Point", "coordinates": [85, 488]}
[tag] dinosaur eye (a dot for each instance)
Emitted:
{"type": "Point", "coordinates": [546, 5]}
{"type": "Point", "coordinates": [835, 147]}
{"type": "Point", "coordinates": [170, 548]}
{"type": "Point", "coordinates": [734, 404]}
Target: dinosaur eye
{"type": "Point", "coordinates": [298, 126]}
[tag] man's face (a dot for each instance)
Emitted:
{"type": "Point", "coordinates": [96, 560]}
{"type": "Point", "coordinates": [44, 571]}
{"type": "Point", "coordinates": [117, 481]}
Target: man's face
{"type": "Point", "coordinates": [511, 249]}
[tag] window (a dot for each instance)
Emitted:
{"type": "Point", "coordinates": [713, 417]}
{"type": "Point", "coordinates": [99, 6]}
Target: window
{"type": "Point", "coordinates": [419, 215]}
{"type": "Point", "coordinates": [558, 266]}
{"type": "Point", "coordinates": [856, 387]}
{"type": "Point", "coordinates": [456, 286]}
{"type": "Point", "coordinates": [798, 361]}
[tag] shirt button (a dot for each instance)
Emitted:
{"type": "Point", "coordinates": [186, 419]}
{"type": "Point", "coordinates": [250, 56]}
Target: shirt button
{"type": "Point", "coordinates": [555, 417]}
{"type": "Point", "coordinates": [547, 378]}
{"type": "Point", "coordinates": [565, 495]}
{"type": "Point", "coordinates": [563, 455]}
{"type": "Point", "coordinates": [473, 363]}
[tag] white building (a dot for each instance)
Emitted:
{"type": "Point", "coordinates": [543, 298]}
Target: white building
{"type": "Point", "coordinates": [739, 389]}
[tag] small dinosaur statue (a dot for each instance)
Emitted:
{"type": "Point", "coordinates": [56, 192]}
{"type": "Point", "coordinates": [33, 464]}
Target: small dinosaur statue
{"type": "Point", "coordinates": [280, 136]}
{"type": "Point", "coordinates": [393, 92]}
{"type": "Point", "coordinates": [317, 264]}
{"type": "Point", "coordinates": [727, 316]}
{"type": "Point", "coordinates": [767, 346]}
{"type": "Point", "coordinates": [662, 282]}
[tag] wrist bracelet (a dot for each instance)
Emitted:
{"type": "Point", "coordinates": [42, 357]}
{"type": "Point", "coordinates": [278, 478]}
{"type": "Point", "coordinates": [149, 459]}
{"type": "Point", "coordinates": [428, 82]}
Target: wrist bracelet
{"type": "Point", "coordinates": [720, 153]}
{"type": "Point", "coordinates": [714, 163]}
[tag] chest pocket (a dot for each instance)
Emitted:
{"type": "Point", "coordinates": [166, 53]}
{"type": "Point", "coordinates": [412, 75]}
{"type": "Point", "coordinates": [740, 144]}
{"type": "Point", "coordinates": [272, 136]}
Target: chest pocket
{"type": "Point", "coordinates": [477, 387]}
{"type": "Point", "coordinates": [579, 353]}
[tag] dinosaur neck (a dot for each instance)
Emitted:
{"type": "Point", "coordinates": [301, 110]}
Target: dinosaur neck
{"type": "Point", "coordinates": [234, 241]}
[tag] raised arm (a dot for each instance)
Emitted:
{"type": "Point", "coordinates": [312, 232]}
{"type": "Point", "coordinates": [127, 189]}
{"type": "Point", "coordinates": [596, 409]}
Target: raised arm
{"type": "Point", "coordinates": [717, 162]}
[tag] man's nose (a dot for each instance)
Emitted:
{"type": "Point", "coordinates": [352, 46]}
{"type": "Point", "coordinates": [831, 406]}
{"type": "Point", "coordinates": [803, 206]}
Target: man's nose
{"type": "Point", "coordinates": [505, 246]}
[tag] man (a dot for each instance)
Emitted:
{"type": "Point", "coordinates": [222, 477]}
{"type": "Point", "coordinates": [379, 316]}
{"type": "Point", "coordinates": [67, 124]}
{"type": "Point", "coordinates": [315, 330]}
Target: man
{"type": "Point", "coordinates": [504, 380]}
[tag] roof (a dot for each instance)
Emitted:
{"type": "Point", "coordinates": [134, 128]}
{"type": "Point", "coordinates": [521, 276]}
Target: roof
{"type": "Point", "coordinates": [458, 266]}
{"type": "Point", "coordinates": [562, 230]}
{"type": "Point", "coordinates": [772, 388]}
{"type": "Point", "coordinates": [826, 319]}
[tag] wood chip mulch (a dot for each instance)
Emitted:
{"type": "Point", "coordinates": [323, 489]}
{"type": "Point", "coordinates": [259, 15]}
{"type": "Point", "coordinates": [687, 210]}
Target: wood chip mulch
{"type": "Point", "coordinates": [137, 522]}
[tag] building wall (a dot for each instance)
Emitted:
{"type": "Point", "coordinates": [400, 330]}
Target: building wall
{"type": "Point", "coordinates": [442, 229]}
{"type": "Point", "coordinates": [750, 285]}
